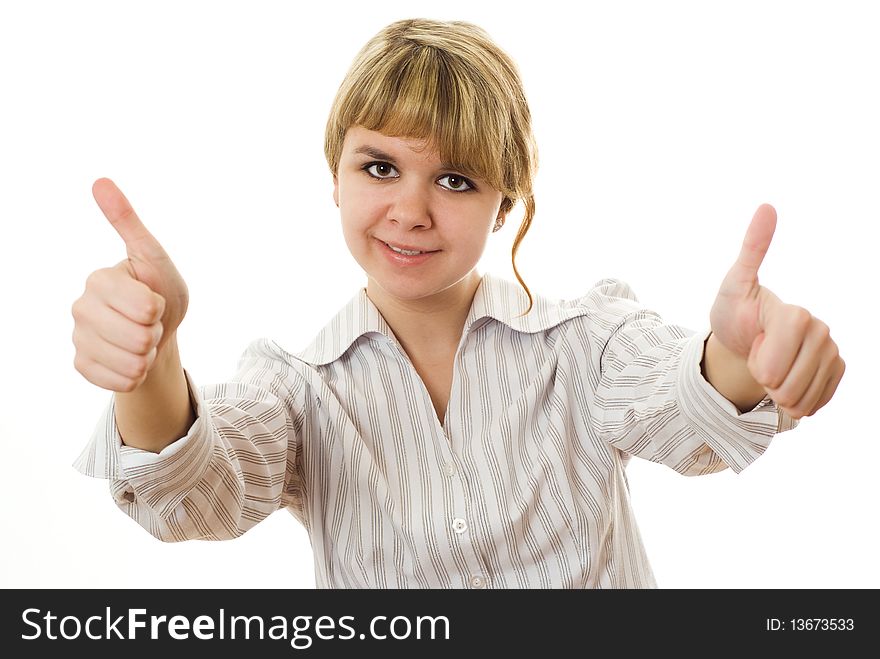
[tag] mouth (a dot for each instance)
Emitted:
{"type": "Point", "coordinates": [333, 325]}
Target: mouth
{"type": "Point", "coordinates": [407, 250]}
{"type": "Point", "coordinates": [404, 258]}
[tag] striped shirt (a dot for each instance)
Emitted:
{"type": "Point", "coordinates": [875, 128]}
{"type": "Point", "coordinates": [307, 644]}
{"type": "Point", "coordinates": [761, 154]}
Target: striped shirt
{"type": "Point", "coordinates": [523, 486]}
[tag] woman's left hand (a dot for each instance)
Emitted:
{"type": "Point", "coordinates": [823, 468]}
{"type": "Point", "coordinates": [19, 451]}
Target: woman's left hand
{"type": "Point", "coordinates": [789, 352]}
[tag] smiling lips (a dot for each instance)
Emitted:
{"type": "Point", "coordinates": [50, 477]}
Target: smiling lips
{"type": "Point", "coordinates": [409, 248]}
{"type": "Point", "coordinates": [405, 259]}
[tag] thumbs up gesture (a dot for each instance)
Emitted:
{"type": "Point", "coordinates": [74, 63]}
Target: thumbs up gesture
{"type": "Point", "coordinates": [128, 312]}
{"type": "Point", "coordinates": [788, 351]}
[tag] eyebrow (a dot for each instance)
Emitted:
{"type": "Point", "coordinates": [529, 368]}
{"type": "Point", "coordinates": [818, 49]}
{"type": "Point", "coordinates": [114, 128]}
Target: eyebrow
{"type": "Point", "coordinates": [373, 152]}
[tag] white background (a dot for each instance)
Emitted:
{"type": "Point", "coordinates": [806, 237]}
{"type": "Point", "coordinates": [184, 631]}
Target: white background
{"type": "Point", "coordinates": [661, 128]}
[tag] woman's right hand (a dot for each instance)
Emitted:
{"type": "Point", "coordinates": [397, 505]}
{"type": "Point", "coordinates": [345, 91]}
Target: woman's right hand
{"type": "Point", "coordinates": [129, 312]}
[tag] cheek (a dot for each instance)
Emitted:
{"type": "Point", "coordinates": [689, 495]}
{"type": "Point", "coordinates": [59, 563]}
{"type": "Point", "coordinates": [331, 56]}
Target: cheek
{"type": "Point", "coordinates": [357, 228]}
{"type": "Point", "coordinates": [360, 206]}
{"type": "Point", "coordinates": [475, 239]}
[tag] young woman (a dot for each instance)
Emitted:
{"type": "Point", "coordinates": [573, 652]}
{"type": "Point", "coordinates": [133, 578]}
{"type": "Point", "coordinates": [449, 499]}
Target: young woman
{"type": "Point", "coordinates": [446, 428]}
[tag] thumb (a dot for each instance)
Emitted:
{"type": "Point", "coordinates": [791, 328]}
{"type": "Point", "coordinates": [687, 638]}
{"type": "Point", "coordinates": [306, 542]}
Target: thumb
{"type": "Point", "coordinates": [756, 243]}
{"type": "Point", "coordinates": [116, 208]}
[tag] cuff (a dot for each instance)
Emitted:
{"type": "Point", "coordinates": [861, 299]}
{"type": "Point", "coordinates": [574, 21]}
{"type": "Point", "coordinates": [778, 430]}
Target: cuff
{"type": "Point", "coordinates": [161, 479]}
{"type": "Point", "coordinates": [737, 438]}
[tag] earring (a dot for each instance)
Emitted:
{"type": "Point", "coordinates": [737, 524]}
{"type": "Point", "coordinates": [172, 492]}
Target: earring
{"type": "Point", "coordinates": [499, 222]}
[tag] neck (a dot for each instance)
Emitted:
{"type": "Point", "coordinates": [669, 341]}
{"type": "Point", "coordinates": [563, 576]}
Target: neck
{"type": "Point", "coordinates": [431, 325]}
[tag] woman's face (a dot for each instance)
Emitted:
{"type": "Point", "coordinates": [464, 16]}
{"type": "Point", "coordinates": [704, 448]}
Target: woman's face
{"type": "Point", "coordinates": [388, 192]}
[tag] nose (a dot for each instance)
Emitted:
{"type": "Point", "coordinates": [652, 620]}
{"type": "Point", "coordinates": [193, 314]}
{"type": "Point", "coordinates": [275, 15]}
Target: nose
{"type": "Point", "coordinates": [410, 206]}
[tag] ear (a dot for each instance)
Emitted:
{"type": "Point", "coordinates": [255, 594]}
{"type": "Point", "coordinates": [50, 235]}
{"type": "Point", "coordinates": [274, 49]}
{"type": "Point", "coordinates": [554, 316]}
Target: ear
{"type": "Point", "coordinates": [502, 212]}
{"type": "Point", "coordinates": [336, 190]}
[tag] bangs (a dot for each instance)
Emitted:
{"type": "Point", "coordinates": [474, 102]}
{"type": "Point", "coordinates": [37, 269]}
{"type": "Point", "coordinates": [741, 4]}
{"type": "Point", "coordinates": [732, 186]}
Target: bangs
{"type": "Point", "coordinates": [413, 92]}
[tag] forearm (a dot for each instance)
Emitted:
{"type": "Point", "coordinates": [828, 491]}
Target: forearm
{"type": "Point", "coordinates": [728, 373]}
{"type": "Point", "coordinates": [159, 411]}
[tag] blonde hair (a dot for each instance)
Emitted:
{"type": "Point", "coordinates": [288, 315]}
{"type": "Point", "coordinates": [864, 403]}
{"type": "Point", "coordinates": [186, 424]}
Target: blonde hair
{"type": "Point", "coordinates": [448, 83]}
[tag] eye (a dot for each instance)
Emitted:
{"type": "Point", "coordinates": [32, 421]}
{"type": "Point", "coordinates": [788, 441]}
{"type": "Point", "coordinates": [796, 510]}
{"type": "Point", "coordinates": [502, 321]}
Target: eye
{"type": "Point", "coordinates": [457, 183]}
{"type": "Point", "coordinates": [383, 165]}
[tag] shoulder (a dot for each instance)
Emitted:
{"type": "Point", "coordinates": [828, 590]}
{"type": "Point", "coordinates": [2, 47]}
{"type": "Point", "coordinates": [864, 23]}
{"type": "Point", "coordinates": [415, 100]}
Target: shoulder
{"type": "Point", "coordinates": [611, 288]}
{"type": "Point", "coordinates": [609, 301]}
{"type": "Point", "coordinates": [609, 306]}
{"type": "Point", "coordinates": [505, 301]}
{"type": "Point", "coordinates": [265, 361]}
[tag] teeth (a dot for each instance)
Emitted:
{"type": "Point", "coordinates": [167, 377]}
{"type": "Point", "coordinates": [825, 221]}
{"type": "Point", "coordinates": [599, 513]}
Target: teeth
{"type": "Point", "coordinates": [404, 251]}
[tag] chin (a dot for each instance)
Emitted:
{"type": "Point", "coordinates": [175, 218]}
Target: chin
{"type": "Point", "coordinates": [404, 288]}
{"type": "Point", "coordinates": [412, 289]}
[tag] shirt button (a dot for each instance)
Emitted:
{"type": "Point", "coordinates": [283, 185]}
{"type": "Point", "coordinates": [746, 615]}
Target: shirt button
{"type": "Point", "coordinates": [459, 525]}
{"type": "Point", "coordinates": [126, 496]}
{"type": "Point", "coordinates": [450, 469]}
{"type": "Point", "coordinates": [478, 582]}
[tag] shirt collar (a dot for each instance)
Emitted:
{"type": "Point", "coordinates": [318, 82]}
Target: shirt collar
{"type": "Point", "coordinates": [496, 298]}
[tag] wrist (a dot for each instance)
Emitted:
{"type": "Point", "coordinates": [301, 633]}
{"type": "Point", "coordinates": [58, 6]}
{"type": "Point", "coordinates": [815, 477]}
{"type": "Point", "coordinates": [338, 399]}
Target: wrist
{"type": "Point", "coordinates": [729, 374]}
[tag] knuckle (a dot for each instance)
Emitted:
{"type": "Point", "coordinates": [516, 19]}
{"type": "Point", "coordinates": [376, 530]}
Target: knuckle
{"type": "Point", "coordinates": [785, 400]}
{"type": "Point", "coordinates": [148, 311]}
{"type": "Point", "coordinates": [154, 308]}
{"type": "Point", "coordinates": [129, 385]}
{"type": "Point", "coordinates": [823, 330]}
{"type": "Point", "coordinates": [79, 310]}
{"type": "Point", "coordinates": [804, 317]}
{"type": "Point", "coordinates": [96, 279]}
{"type": "Point", "coordinates": [144, 341]}
{"type": "Point", "coordinates": [835, 353]}
{"type": "Point", "coordinates": [790, 411]}
{"type": "Point", "coordinates": [771, 379]}
{"type": "Point", "coordinates": [138, 368]}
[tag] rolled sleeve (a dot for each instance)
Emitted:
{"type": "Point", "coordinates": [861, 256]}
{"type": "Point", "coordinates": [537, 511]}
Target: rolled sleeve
{"type": "Point", "coordinates": [105, 456]}
{"type": "Point", "coordinates": [235, 466]}
{"type": "Point", "coordinates": [652, 400]}
{"type": "Point", "coordinates": [738, 438]}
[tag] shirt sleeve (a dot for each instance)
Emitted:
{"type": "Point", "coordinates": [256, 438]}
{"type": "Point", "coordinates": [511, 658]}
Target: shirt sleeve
{"type": "Point", "coordinates": [235, 466]}
{"type": "Point", "coordinates": [653, 401]}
